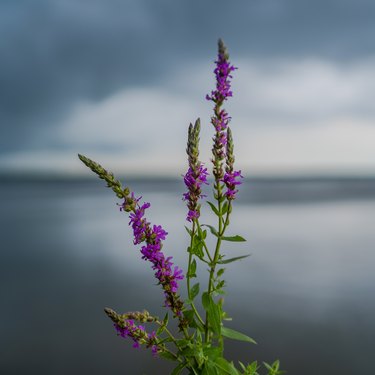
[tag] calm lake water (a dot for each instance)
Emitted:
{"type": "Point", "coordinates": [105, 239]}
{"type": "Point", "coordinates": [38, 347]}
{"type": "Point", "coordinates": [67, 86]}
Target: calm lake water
{"type": "Point", "coordinates": [306, 294]}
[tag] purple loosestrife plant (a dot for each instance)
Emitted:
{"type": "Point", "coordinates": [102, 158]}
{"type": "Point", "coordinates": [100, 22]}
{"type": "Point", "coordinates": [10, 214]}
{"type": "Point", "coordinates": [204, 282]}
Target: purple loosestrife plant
{"type": "Point", "coordinates": [198, 347]}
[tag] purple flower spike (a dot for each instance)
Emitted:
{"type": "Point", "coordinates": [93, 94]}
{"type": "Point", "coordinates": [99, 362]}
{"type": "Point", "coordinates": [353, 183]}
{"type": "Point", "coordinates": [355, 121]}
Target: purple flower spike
{"type": "Point", "coordinates": [221, 118]}
{"type": "Point", "coordinates": [223, 76]}
{"type": "Point", "coordinates": [139, 335]}
{"type": "Point", "coordinates": [194, 178]}
{"type": "Point", "coordinates": [231, 180]}
{"type": "Point", "coordinates": [196, 174]}
{"type": "Point", "coordinates": [153, 236]}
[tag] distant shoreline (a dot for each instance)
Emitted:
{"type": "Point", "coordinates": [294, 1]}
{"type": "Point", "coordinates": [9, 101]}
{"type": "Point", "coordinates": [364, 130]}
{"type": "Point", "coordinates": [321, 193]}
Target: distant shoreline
{"type": "Point", "coordinates": [44, 177]}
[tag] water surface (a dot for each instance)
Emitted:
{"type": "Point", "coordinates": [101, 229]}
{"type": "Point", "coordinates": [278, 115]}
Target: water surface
{"type": "Point", "coordinates": [305, 293]}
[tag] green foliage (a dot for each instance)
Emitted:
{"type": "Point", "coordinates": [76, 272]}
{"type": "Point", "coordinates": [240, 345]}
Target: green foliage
{"type": "Point", "coordinates": [274, 368]}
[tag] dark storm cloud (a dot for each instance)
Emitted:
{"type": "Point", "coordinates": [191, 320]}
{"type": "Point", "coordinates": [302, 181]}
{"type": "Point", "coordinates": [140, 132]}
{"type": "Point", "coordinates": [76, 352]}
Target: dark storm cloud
{"type": "Point", "coordinates": [56, 53]}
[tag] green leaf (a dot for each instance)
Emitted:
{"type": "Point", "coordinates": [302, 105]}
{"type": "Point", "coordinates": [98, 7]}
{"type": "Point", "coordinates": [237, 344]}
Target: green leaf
{"type": "Point", "coordinates": [235, 335]}
{"type": "Point", "coordinates": [220, 272]}
{"type": "Point", "coordinates": [274, 368]}
{"type": "Point", "coordinates": [194, 290]}
{"type": "Point", "coordinates": [213, 311]}
{"type": "Point", "coordinates": [213, 352]}
{"type": "Point", "coordinates": [188, 230]}
{"type": "Point", "coordinates": [206, 301]}
{"type": "Point", "coordinates": [210, 369]}
{"type": "Point", "coordinates": [177, 370]}
{"type": "Point", "coordinates": [214, 209]}
{"type": "Point", "coordinates": [188, 352]}
{"type": "Point", "coordinates": [167, 355]}
{"type": "Point", "coordinates": [189, 316]}
{"type": "Point", "coordinates": [197, 249]}
{"type": "Point", "coordinates": [242, 365]}
{"type": "Point", "coordinates": [165, 320]}
{"type": "Point", "coordinates": [212, 229]}
{"type": "Point", "coordinates": [226, 366]}
{"type": "Point", "coordinates": [193, 269]}
{"type": "Point", "coordinates": [234, 239]}
{"type": "Point", "coordinates": [253, 368]}
{"type": "Point", "coordinates": [165, 323]}
{"type": "Point", "coordinates": [230, 260]}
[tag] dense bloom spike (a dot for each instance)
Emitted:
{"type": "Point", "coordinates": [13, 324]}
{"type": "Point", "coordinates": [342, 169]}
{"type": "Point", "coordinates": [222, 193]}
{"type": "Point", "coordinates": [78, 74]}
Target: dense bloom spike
{"type": "Point", "coordinates": [231, 180]}
{"type": "Point", "coordinates": [223, 76]}
{"type": "Point", "coordinates": [194, 178]}
{"type": "Point", "coordinates": [153, 236]}
{"type": "Point", "coordinates": [221, 118]}
{"type": "Point", "coordinates": [196, 174]}
{"type": "Point", "coordinates": [127, 328]}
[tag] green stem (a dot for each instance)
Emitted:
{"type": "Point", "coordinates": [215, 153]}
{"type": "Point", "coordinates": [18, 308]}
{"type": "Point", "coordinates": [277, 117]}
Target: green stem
{"type": "Point", "coordinates": [196, 313]}
{"type": "Point", "coordinates": [218, 189]}
{"type": "Point", "coordinates": [188, 365]}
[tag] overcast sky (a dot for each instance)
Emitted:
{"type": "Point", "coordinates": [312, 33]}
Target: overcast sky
{"type": "Point", "coordinates": [120, 80]}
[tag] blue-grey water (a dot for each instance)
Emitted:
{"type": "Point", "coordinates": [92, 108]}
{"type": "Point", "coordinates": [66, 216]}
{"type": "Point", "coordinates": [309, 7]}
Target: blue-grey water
{"type": "Point", "coordinates": [306, 293]}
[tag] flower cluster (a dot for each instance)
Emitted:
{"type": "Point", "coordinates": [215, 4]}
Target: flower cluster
{"type": "Point", "coordinates": [153, 236]}
{"type": "Point", "coordinates": [138, 334]}
{"type": "Point", "coordinates": [126, 327]}
{"type": "Point", "coordinates": [223, 142]}
{"type": "Point", "coordinates": [223, 76]}
{"type": "Point", "coordinates": [194, 178]}
{"type": "Point", "coordinates": [231, 181]}
{"type": "Point", "coordinates": [223, 90]}
{"type": "Point", "coordinates": [231, 177]}
{"type": "Point", "coordinates": [196, 174]}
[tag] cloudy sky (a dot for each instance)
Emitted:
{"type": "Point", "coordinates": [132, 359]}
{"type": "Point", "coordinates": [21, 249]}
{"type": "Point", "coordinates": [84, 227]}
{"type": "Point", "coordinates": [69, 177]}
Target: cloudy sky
{"type": "Point", "coordinates": [120, 80]}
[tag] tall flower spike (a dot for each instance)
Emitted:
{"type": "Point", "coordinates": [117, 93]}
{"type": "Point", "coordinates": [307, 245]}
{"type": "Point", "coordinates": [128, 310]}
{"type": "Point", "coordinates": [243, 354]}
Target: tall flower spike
{"type": "Point", "coordinates": [153, 236]}
{"type": "Point", "coordinates": [126, 327]}
{"type": "Point", "coordinates": [231, 177]}
{"type": "Point", "coordinates": [221, 118]}
{"type": "Point", "coordinates": [196, 174]}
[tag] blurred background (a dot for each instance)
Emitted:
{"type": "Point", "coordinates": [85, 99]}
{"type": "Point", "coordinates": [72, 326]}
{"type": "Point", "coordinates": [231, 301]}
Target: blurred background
{"type": "Point", "coordinates": [119, 81]}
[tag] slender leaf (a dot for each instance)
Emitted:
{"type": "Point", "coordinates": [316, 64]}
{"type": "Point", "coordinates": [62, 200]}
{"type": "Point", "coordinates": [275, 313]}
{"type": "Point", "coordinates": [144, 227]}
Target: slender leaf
{"type": "Point", "coordinates": [235, 335]}
{"type": "Point", "coordinates": [226, 366]}
{"type": "Point", "coordinates": [253, 368]}
{"type": "Point", "coordinates": [167, 355]}
{"type": "Point", "coordinates": [193, 269]}
{"type": "Point", "coordinates": [194, 290]}
{"type": "Point", "coordinates": [214, 209]}
{"type": "Point", "coordinates": [212, 229]}
{"type": "Point", "coordinates": [214, 312]}
{"type": "Point", "coordinates": [205, 301]}
{"type": "Point", "coordinates": [233, 238]}
{"type": "Point", "coordinates": [230, 260]}
{"type": "Point", "coordinates": [210, 369]}
{"type": "Point", "coordinates": [225, 208]}
{"type": "Point", "coordinates": [177, 370]}
{"type": "Point", "coordinates": [188, 230]}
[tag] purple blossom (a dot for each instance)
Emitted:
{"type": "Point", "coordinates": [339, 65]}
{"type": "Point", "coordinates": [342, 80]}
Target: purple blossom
{"type": "Point", "coordinates": [223, 76]}
{"type": "Point", "coordinates": [231, 180]}
{"type": "Point", "coordinates": [221, 118]}
{"type": "Point", "coordinates": [193, 179]}
{"type": "Point", "coordinates": [138, 334]}
{"type": "Point", "coordinates": [221, 121]}
{"type": "Point", "coordinates": [153, 236]}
